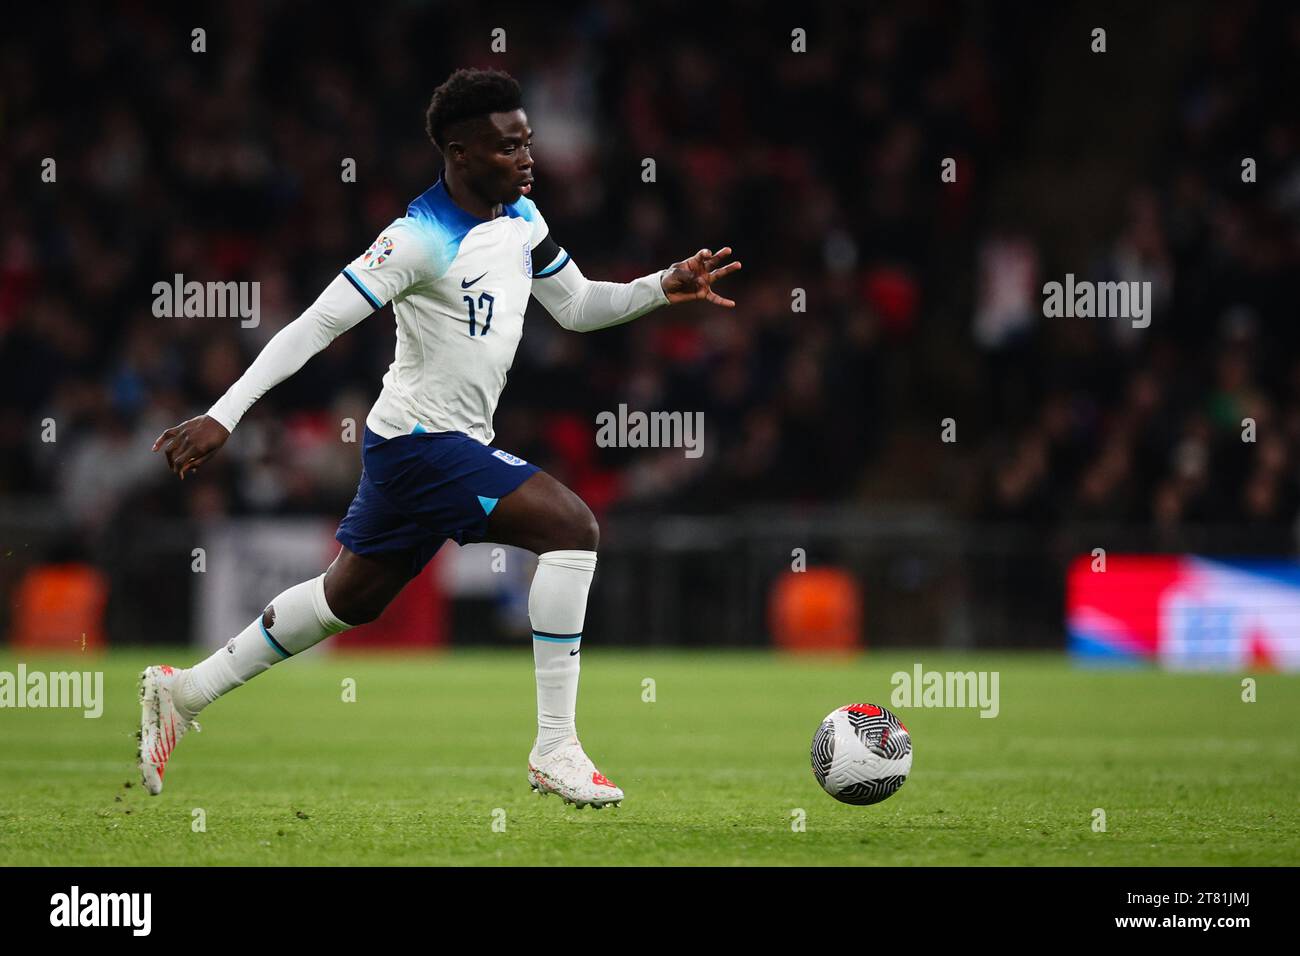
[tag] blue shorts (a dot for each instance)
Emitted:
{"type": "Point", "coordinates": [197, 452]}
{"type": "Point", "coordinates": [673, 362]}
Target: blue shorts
{"type": "Point", "coordinates": [418, 490]}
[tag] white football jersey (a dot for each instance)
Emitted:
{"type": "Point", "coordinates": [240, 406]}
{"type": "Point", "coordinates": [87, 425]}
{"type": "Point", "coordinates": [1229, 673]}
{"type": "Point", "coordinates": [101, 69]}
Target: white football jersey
{"type": "Point", "coordinates": [459, 287]}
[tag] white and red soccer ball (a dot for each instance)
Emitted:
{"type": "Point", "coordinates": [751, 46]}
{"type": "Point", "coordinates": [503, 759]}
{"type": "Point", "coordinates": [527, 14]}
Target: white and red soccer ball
{"type": "Point", "coordinates": [861, 754]}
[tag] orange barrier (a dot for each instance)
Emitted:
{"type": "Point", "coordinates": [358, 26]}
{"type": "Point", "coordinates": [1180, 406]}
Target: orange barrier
{"type": "Point", "coordinates": [816, 610]}
{"type": "Point", "coordinates": [60, 607]}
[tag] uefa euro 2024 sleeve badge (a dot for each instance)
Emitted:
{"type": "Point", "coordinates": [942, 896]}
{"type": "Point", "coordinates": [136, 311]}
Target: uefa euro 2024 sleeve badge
{"type": "Point", "coordinates": [380, 250]}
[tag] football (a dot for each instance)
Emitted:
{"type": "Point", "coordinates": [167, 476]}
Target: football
{"type": "Point", "coordinates": [861, 754]}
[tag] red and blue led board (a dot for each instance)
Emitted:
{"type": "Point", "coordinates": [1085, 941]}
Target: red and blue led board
{"type": "Point", "coordinates": [1185, 612]}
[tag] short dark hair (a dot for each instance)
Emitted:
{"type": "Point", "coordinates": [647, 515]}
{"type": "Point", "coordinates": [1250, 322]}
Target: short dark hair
{"type": "Point", "coordinates": [468, 94]}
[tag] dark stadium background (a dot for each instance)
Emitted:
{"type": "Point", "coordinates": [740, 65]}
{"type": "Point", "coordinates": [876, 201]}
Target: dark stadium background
{"type": "Point", "coordinates": [821, 169]}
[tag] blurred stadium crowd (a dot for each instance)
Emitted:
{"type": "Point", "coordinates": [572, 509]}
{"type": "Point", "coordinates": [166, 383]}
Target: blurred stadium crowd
{"type": "Point", "coordinates": [1146, 426]}
{"type": "Point", "coordinates": [822, 171]}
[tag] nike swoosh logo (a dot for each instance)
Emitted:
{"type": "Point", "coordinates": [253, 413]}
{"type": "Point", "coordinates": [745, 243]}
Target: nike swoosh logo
{"type": "Point", "coordinates": [571, 653]}
{"type": "Point", "coordinates": [466, 285]}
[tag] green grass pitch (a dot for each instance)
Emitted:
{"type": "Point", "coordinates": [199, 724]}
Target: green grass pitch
{"type": "Point", "coordinates": [420, 766]}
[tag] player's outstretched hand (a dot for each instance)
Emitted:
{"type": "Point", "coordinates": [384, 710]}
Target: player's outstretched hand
{"type": "Point", "coordinates": [191, 443]}
{"type": "Point", "coordinates": [694, 278]}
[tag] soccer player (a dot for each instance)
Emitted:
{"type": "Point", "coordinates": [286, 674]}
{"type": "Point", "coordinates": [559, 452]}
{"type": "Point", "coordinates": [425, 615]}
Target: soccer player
{"type": "Point", "coordinates": [458, 269]}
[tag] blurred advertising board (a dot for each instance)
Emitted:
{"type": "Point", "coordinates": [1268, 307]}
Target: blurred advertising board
{"type": "Point", "coordinates": [1185, 612]}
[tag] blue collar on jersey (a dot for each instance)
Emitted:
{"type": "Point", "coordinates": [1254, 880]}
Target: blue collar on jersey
{"type": "Point", "coordinates": [436, 203]}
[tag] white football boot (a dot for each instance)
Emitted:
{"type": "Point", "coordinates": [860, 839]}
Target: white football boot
{"type": "Point", "coordinates": [569, 772]}
{"type": "Point", "coordinates": [161, 725]}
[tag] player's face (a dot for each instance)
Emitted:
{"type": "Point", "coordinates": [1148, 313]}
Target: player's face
{"type": "Point", "coordinates": [499, 159]}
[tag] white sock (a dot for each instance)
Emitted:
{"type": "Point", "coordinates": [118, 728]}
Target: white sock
{"type": "Point", "coordinates": [557, 605]}
{"type": "Point", "coordinates": [293, 622]}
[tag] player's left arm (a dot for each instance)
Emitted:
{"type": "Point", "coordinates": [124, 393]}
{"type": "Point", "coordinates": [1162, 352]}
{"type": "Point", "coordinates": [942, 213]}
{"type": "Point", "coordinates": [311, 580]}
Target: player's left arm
{"type": "Point", "coordinates": [693, 278]}
{"type": "Point", "coordinates": [583, 305]}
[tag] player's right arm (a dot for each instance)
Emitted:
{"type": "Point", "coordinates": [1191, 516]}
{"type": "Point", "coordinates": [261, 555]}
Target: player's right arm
{"type": "Point", "coordinates": [396, 261]}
